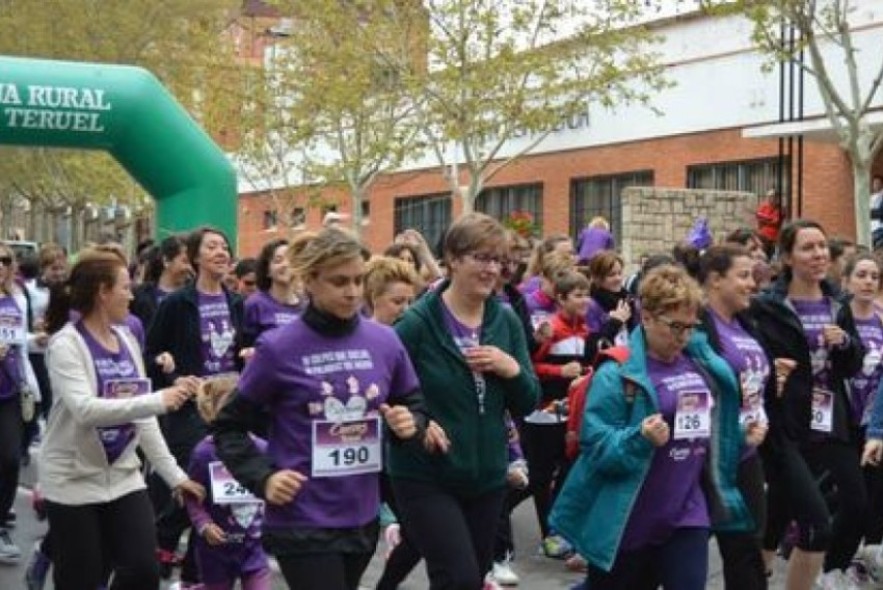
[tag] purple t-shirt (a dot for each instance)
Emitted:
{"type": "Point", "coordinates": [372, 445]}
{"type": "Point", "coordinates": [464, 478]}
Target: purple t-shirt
{"type": "Point", "coordinates": [814, 315]}
{"type": "Point", "coordinates": [865, 382]}
{"type": "Point", "coordinates": [313, 383]}
{"type": "Point", "coordinates": [592, 241]}
{"type": "Point", "coordinates": [671, 496]}
{"type": "Point", "coordinates": [748, 360]}
{"type": "Point", "coordinates": [465, 338]}
{"type": "Point", "coordinates": [530, 285]}
{"type": "Point", "coordinates": [117, 377]}
{"type": "Point", "coordinates": [10, 371]}
{"type": "Point", "coordinates": [540, 306]}
{"type": "Point", "coordinates": [263, 312]}
{"type": "Point", "coordinates": [217, 333]}
{"type": "Point", "coordinates": [241, 521]}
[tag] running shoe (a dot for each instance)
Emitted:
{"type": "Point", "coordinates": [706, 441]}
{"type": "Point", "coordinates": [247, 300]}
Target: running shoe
{"type": "Point", "coordinates": [9, 551]}
{"type": "Point", "coordinates": [555, 547]}
{"type": "Point", "coordinates": [835, 580]}
{"type": "Point", "coordinates": [576, 563]}
{"type": "Point", "coordinates": [37, 570]}
{"type": "Point", "coordinates": [503, 574]}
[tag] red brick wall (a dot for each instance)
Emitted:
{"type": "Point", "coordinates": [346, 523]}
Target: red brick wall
{"type": "Point", "coordinates": [827, 181]}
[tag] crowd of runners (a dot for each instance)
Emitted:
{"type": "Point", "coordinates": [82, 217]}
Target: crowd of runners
{"type": "Point", "coordinates": [198, 417]}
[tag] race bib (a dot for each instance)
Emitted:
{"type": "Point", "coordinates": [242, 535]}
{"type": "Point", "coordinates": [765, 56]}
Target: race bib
{"type": "Point", "coordinates": [822, 410]}
{"type": "Point", "coordinates": [225, 489]}
{"type": "Point", "coordinates": [125, 388]}
{"type": "Point", "coordinates": [349, 447]}
{"type": "Point", "coordinates": [11, 331]}
{"type": "Point", "coordinates": [752, 403]}
{"type": "Point", "coordinates": [693, 416]}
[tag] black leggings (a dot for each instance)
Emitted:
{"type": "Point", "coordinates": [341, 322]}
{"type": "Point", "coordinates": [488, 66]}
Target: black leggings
{"type": "Point", "coordinates": [10, 454]}
{"type": "Point", "coordinates": [744, 568]}
{"type": "Point", "coordinates": [87, 539]}
{"type": "Point", "coordinates": [324, 571]}
{"type": "Point", "coordinates": [402, 560]}
{"type": "Point", "coordinates": [454, 534]}
{"type": "Point", "coordinates": [794, 494]}
{"type": "Point", "coordinates": [543, 446]}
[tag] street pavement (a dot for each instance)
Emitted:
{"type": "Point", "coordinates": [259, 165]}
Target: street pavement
{"type": "Point", "coordinates": [536, 572]}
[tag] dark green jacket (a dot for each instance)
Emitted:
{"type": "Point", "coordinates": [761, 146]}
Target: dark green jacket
{"type": "Point", "coordinates": [477, 460]}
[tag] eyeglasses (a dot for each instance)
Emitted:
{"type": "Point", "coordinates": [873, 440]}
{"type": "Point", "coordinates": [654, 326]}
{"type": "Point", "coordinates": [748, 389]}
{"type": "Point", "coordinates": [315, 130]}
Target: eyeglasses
{"type": "Point", "coordinates": [486, 259]}
{"type": "Point", "coordinates": [678, 329]}
{"type": "Point", "coordinates": [6, 260]}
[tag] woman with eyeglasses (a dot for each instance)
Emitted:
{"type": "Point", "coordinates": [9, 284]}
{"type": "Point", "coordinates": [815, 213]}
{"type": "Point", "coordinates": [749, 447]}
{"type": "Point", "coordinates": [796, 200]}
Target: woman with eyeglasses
{"type": "Point", "coordinates": [727, 279]}
{"type": "Point", "coordinates": [634, 504]}
{"type": "Point", "coordinates": [18, 391]}
{"type": "Point", "coordinates": [471, 356]}
{"type": "Point", "coordinates": [804, 320]}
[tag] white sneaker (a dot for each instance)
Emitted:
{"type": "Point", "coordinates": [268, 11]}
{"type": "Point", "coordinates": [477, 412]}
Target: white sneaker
{"type": "Point", "coordinates": [502, 573]}
{"type": "Point", "coordinates": [835, 580]}
{"type": "Point", "coordinates": [9, 551]}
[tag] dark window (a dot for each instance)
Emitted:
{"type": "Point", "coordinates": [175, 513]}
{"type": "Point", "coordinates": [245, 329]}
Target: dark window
{"type": "Point", "coordinates": [366, 209]}
{"type": "Point", "coordinates": [753, 176]}
{"type": "Point", "coordinates": [500, 202]}
{"type": "Point", "coordinates": [298, 216]}
{"type": "Point", "coordinates": [269, 221]}
{"type": "Point", "coordinates": [600, 195]}
{"type": "Point", "coordinates": [429, 214]}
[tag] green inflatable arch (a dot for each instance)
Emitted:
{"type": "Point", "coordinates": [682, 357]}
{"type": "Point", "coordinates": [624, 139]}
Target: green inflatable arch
{"type": "Point", "coordinates": [127, 112]}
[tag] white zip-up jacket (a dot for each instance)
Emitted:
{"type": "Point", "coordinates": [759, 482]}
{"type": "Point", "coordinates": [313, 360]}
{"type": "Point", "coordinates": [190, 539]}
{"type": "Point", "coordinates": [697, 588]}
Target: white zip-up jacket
{"type": "Point", "coordinates": [73, 465]}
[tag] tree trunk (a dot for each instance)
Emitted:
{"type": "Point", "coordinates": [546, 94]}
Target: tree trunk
{"type": "Point", "coordinates": [861, 174]}
{"type": "Point", "coordinates": [357, 195]}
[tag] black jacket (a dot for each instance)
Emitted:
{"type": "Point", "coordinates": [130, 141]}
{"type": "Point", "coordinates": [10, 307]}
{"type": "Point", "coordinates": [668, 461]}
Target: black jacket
{"type": "Point", "coordinates": [175, 329]}
{"type": "Point", "coordinates": [519, 306]}
{"type": "Point", "coordinates": [782, 336]}
{"type": "Point", "coordinates": [144, 303]}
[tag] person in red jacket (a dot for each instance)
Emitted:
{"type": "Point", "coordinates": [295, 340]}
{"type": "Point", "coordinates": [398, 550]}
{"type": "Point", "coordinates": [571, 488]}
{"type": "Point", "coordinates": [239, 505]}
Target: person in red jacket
{"type": "Point", "coordinates": [769, 217]}
{"type": "Point", "coordinates": [559, 360]}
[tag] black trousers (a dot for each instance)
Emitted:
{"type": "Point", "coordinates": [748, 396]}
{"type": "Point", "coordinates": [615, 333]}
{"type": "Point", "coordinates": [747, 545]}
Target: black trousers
{"type": "Point", "coordinates": [324, 571]}
{"type": "Point", "coordinates": [87, 540]}
{"type": "Point", "coordinates": [744, 568]}
{"type": "Point", "coordinates": [543, 446]}
{"type": "Point", "coordinates": [454, 534]}
{"type": "Point", "coordinates": [10, 453]}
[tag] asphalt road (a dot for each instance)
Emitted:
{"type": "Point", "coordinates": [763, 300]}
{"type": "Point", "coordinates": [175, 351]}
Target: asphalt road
{"type": "Point", "coordinates": [536, 572]}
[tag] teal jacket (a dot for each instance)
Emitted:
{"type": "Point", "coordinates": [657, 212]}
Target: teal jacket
{"type": "Point", "coordinates": [478, 457]}
{"type": "Point", "coordinates": [593, 507]}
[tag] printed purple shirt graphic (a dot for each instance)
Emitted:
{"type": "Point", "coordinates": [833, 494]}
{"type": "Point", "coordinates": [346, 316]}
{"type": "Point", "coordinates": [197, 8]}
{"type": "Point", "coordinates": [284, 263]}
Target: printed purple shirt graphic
{"type": "Point", "coordinates": [310, 382]}
{"type": "Point", "coordinates": [118, 378]}
{"type": "Point", "coordinates": [671, 496]}
{"type": "Point", "coordinates": [865, 382]}
{"type": "Point", "coordinates": [217, 334]}
{"type": "Point", "coordinates": [11, 334]}
{"type": "Point", "coordinates": [241, 520]}
{"type": "Point", "coordinates": [815, 315]}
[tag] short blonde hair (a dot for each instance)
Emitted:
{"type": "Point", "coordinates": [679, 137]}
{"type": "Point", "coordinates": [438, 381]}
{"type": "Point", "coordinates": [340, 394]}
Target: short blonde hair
{"type": "Point", "coordinates": [382, 271]}
{"type": "Point", "coordinates": [309, 252]}
{"type": "Point", "coordinates": [599, 222]}
{"type": "Point", "coordinates": [213, 393]}
{"type": "Point", "coordinates": [555, 264]}
{"type": "Point", "coordinates": [669, 287]}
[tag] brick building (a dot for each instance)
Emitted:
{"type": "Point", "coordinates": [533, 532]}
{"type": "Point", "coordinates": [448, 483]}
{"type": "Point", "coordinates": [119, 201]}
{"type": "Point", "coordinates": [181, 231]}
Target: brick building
{"type": "Point", "coordinates": [722, 128]}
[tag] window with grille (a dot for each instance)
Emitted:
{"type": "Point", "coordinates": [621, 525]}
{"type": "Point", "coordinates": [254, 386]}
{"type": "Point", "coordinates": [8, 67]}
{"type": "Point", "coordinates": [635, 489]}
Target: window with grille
{"type": "Point", "coordinates": [753, 176]}
{"type": "Point", "coordinates": [600, 196]}
{"type": "Point", "coordinates": [428, 214]}
{"type": "Point", "coordinates": [269, 219]}
{"type": "Point", "coordinates": [500, 202]}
